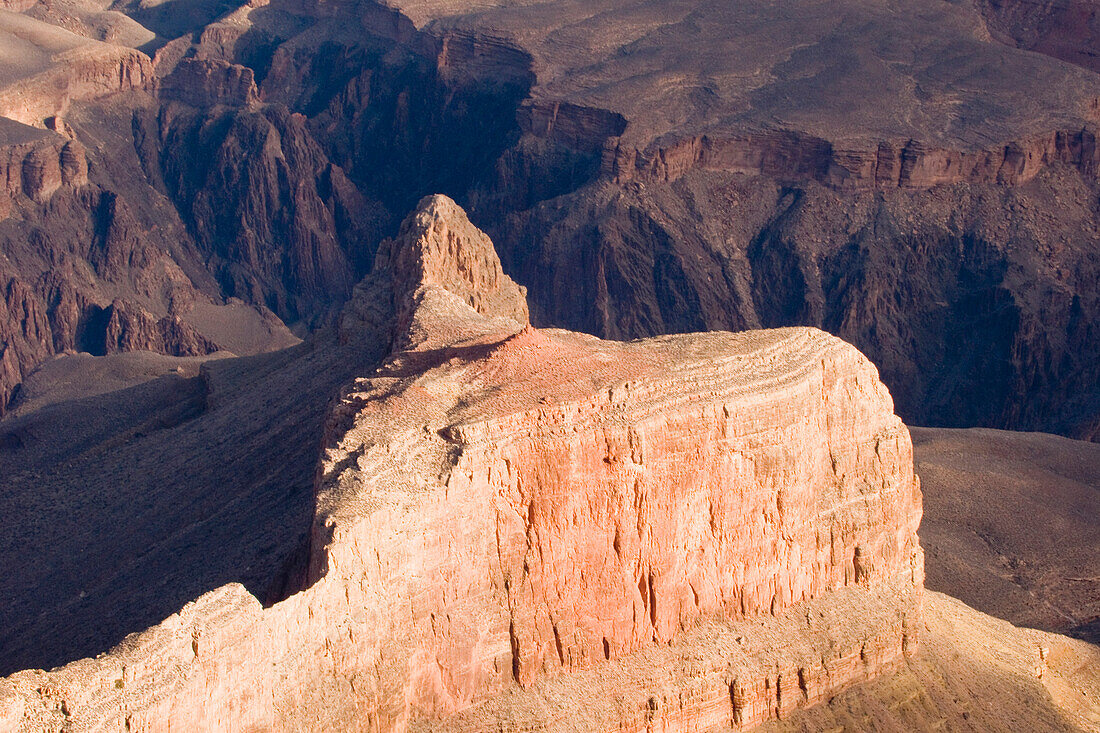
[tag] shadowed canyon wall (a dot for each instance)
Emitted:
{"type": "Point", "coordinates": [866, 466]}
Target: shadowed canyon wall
{"type": "Point", "coordinates": [894, 244]}
{"type": "Point", "coordinates": [956, 252]}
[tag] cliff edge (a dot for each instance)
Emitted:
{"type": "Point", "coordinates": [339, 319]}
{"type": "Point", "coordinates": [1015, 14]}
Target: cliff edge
{"type": "Point", "coordinates": [520, 527]}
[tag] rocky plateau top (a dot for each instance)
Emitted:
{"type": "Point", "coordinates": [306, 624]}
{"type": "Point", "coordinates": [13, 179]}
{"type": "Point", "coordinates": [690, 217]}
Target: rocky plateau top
{"type": "Point", "coordinates": [498, 505]}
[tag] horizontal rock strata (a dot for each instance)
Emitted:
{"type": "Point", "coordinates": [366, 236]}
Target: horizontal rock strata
{"type": "Point", "coordinates": [718, 527]}
{"type": "Point", "coordinates": [52, 68]}
{"type": "Point", "coordinates": [904, 164]}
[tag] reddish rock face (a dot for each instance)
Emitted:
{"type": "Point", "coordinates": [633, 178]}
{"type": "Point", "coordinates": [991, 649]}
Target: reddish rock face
{"type": "Point", "coordinates": [909, 164]}
{"type": "Point", "coordinates": [35, 164]}
{"type": "Point", "coordinates": [628, 510]}
{"type": "Point", "coordinates": [646, 169]}
{"type": "Point", "coordinates": [438, 246]}
{"type": "Point", "coordinates": [720, 527]}
{"type": "Point", "coordinates": [202, 83]}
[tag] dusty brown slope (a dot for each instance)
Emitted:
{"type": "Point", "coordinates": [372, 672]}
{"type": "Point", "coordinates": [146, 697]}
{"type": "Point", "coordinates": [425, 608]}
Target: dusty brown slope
{"type": "Point", "coordinates": [210, 667]}
{"type": "Point", "coordinates": [134, 483]}
{"type": "Point", "coordinates": [1065, 30]}
{"type": "Point", "coordinates": [1013, 524]}
{"type": "Point", "coordinates": [973, 673]}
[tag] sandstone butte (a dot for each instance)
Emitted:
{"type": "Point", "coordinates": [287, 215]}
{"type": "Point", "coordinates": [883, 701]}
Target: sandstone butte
{"type": "Point", "coordinates": [521, 529]}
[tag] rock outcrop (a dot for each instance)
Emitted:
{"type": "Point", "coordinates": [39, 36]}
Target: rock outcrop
{"type": "Point", "coordinates": [203, 83]}
{"type": "Point", "coordinates": [276, 222]}
{"type": "Point", "coordinates": [790, 157]}
{"type": "Point", "coordinates": [647, 170]}
{"type": "Point", "coordinates": [685, 532]}
{"type": "Point", "coordinates": [49, 68]}
{"type": "Point", "coordinates": [35, 163]}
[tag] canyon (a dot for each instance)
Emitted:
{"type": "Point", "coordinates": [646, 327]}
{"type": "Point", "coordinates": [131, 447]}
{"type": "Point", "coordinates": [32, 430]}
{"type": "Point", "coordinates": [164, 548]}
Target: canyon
{"type": "Point", "coordinates": [519, 528]}
{"type": "Point", "coordinates": [276, 454]}
{"type": "Point", "coordinates": [643, 170]}
{"type": "Point", "coordinates": [498, 504]}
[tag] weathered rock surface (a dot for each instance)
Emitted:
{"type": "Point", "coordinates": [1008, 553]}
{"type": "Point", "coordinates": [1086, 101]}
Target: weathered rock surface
{"type": "Point", "coordinates": [46, 68]}
{"type": "Point", "coordinates": [498, 507]}
{"type": "Point", "coordinates": [973, 673]}
{"type": "Point", "coordinates": [276, 222]}
{"type": "Point", "coordinates": [142, 242]}
{"type": "Point", "coordinates": [35, 163]}
{"type": "Point", "coordinates": [645, 169]}
{"type": "Point", "coordinates": [1065, 30]}
{"type": "Point", "coordinates": [977, 305]}
{"type": "Point", "coordinates": [145, 164]}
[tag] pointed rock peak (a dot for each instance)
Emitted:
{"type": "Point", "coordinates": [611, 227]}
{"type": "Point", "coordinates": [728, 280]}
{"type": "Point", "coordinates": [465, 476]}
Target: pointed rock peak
{"type": "Point", "coordinates": [426, 281]}
{"type": "Point", "coordinates": [439, 246]}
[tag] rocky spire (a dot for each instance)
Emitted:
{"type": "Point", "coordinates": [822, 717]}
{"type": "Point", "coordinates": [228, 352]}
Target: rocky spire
{"type": "Point", "coordinates": [437, 248]}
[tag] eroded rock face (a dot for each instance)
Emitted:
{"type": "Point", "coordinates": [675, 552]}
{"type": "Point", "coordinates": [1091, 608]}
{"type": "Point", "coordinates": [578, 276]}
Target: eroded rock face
{"type": "Point", "coordinates": [49, 68]}
{"type": "Point", "coordinates": [718, 527]}
{"type": "Point", "coordinates": [277, 222]}
{"type": "Point", "coordinates": [438, 246]}
{"type": "Point", "coordinates": [35, 164]}
{"type": "Point", "coordinates": [775, 173]}
{"type": "Point", "coordinates": [1066, 30]}
{"type": "Point", "coordinates": [123, 202]}
{"type": "Point", "coordinates": [645, 169]}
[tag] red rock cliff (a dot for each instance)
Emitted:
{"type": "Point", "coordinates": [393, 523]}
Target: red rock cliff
{"type": "Point", "coordinates": [519, 527]}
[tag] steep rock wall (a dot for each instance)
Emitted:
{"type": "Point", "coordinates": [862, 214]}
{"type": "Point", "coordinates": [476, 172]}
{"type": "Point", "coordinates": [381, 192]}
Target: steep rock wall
{"type": "Point", "coordinates": [909, 164]}
{"type": "Point", "coordinates": [35, 164]}
{"type": "Point", "coordinates": [975, 301]}
{"type": "Point", "coordinates": [720, 527]}
{"type": "Point", "coordinates": [633, 207]}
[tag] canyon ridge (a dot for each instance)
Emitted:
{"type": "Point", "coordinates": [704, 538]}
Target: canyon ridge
{"type": "Point", "coordinates": [278, 454]}
{"type": "Point", "coordinates": [172, 175]}
{"type": "Point", "coordinates": [517, 528]}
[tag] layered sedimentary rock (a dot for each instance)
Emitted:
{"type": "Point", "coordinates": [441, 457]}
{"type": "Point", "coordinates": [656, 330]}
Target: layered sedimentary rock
{"type": "Point", "coordinates": [974, 672]}
{"type": "Point", "coordinates": [685, 532]}
{"type": "Point", "coordinates": [128, 225]}
{"type": "Point", "coordinates": [791, 157]}
{"type": "Point", "coordinates": [646, 170]}
{"type": "Point", "coordinates": [47, 68]}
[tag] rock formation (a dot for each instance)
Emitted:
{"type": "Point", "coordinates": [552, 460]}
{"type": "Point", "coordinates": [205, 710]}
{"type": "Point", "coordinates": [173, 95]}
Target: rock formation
{"type": "Point", "coordinates": [120, 234]}
{"type": "Point", "coordinates": [48, 68]}
{"type": "Point", "coordinates": [507, 516]}
{"type": "Point", "coordinates": [644, 170]}
{"type": "Point", "coordinates": [35, 163]}
{"type": "Point", "coordinates": [1065, 30]}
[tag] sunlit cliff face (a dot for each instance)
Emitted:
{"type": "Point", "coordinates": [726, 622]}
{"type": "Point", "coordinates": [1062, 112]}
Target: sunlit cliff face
{"type": "Point", "coordinates": [499, 505]}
